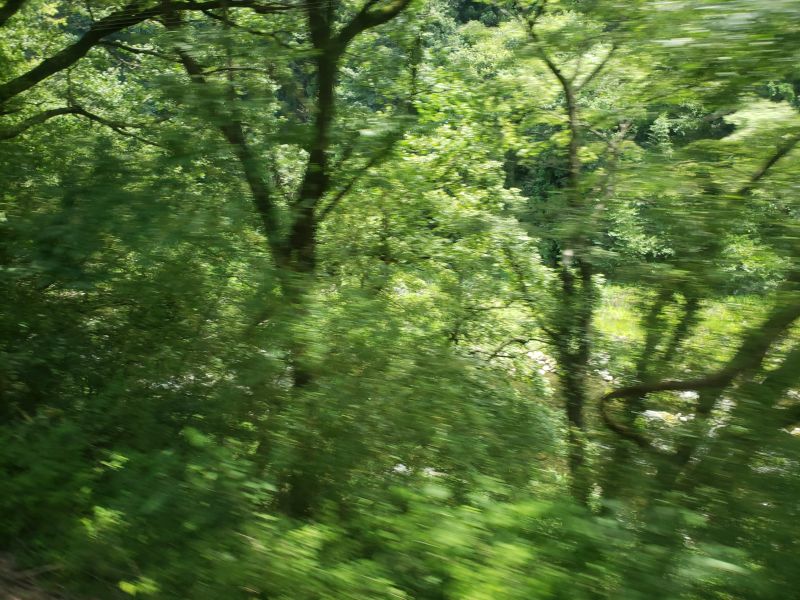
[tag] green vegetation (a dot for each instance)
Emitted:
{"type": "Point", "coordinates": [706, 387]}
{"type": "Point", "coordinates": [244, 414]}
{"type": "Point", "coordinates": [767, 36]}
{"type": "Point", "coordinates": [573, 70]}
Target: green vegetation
{"type": "Point", "coordinates": [402, 299]}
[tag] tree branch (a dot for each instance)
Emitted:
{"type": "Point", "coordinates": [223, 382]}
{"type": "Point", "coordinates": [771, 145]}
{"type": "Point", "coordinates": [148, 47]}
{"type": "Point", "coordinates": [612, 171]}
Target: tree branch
{"type": "Point", "coordinates": [316, 179]}
{"type": "Point", "coordinates": [780, 380]}
{"type": "Point", "coordinates": [782, 150]}
{"type": "Point", "coordinates": [134, 13]}
{"type": "Point", "coordinates": [11, 132]}
{"type": "Point", "coordinates": [133, 50]}
{"type": "Point", "coordinates": [9, 9]}
{"type": "Point", "coordinates": [232, 70]}
{"type": "Point", "coordinates": [376, 159]}
{"type": "Point", "coordinates": [116, 126]}
{"type": "Point", "coordinates": [38, 119]}
{"type": "Point", "coordinates": [231, 23]}
{"type": "Point", "coordinates": [367, 19]}
{"type": "Point", "coordinates": [749, 356]}
{"type": "Point", "coordinates": [130, 15]}
{"type": "Point", "coordinates": [570, 92]}
{"type": "Point", "coordinates": [682, 329]}
{"type": "Point", "coordinates": [597, 70]}
{"type": "Point", "coordinates": [233, 132]}
{"type": "Point", "coordinates": [519, 341]}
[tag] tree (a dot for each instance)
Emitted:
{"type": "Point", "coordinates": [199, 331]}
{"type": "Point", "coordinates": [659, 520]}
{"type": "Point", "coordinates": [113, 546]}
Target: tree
{"type": "Point", "coordinates": [383, 299]}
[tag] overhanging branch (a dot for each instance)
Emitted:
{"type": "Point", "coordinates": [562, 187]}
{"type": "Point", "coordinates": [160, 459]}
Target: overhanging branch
{"type": "Point", "coordinates": [39, 118]}
{"type": "Point", "coordinates": [133, 14]}
{"type": "Point", "coordinates": [8, 133]}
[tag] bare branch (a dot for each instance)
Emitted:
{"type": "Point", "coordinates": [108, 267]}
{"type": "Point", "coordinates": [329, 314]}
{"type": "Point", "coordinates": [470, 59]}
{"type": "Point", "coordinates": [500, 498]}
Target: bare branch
{"type": "Point", "coordinates": [496, 353]}
{"type": "Point", "coordinates": [116, 126]}
{"type": "Point", "coordinates": [231, 23]}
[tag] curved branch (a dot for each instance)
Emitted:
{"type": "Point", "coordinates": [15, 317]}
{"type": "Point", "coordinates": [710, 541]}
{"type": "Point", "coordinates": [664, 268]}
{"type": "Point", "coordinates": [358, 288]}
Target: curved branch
{"type": "Point", "coordinates": [644, 389]}
{"type": "Point", "coordinates": [367, 19]}
{"type": "Point", "coordinates": [116, 126]}
{"type": "Point", "coordinates": [37, 119]}
{"type": "Point", "coordinates": [749, 356]}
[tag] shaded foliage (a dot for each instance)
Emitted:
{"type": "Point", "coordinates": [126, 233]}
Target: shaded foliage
{"type": "Point", "coordinates": [397, 299]}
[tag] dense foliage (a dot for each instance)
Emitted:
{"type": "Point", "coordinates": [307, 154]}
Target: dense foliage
{"type": "Point", "coordinates": [424, 299]}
